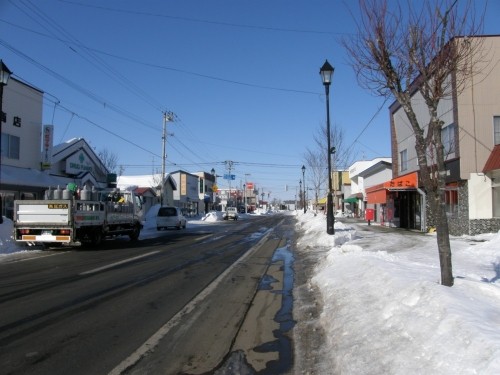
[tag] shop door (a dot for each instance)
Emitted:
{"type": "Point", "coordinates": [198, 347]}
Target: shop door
{"type": "Point", "coordinates": [403, 210]}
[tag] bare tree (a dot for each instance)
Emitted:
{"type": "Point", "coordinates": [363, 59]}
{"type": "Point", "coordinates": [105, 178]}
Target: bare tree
{"type": "Point", "coordinates": [316, 171]}
{"type": "Point", "coordinates": [316, 158]}
{"type": "Point", "coordinates": [425, 48]}
{"type": "Point", "coordinates": [109, 159]}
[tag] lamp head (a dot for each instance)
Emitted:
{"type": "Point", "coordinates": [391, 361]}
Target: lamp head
{"type": "Point", "coordinates": [4, 73]}
{"type": "Point", "coordinates": [326, 73]}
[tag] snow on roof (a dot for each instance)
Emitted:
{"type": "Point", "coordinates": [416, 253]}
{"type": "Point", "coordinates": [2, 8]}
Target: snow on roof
{"type": "Point", "coordinates": [30, 177]}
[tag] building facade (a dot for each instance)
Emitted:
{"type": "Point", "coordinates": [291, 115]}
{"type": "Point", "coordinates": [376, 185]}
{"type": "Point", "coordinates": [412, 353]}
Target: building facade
{"type": "Point", "coordinates": [186, 196]}
{"type": "Point", "coordinates": [470, 134]}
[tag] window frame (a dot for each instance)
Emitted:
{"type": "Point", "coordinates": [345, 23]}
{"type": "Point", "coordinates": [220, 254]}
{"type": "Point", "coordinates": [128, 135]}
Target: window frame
{"type": "Point", "coordinates": [448, 139]}
{"type": "Point", "coordinates": [403, 160]}
{"type": "Point", "coordinates": [496, 130]}
{"type": "Point", "coordinates": [11, 146]}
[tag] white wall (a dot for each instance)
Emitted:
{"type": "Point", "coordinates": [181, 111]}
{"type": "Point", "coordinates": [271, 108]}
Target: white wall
{"type": "Point", "coordinates": [480, 201]}
{"type": "Point", "coordinates": [20, 100]}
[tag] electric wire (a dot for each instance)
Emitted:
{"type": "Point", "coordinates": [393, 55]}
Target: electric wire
{"type": "Point", "coordinates": [72, 43]}
{"type": "Point", "coordinates": [178, 70]}
{"type": "Point", "coordinates": [197, 20]}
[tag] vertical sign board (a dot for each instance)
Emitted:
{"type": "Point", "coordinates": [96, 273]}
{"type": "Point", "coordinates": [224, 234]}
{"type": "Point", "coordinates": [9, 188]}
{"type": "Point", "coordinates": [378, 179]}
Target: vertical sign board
{"type": "Point", "coordinates": [183, 184]}
{"type": "Point", "coordinates": [47, 140]}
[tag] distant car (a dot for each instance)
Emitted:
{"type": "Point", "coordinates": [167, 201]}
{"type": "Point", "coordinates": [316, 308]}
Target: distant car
{"type": "Point", "coordinates": [231, 213]}
{"type": "Point", "coordinates": [170, 217]}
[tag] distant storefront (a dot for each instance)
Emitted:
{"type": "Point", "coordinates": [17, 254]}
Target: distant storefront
{"type": "Point", "coordinates": [398, 202]}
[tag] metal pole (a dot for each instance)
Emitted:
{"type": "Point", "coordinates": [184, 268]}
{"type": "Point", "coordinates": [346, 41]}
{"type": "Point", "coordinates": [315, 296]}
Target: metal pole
{"type": "Point", "coordinates": [304, 190]}
{"type": "Point", "coordinates": [300, 192]}
{"type": "Point", "coordinates": [330, 219]}
{"type": "Point", "coordinates": [1, 120]}
{"type": "Point", "coordinates": [4, 78]}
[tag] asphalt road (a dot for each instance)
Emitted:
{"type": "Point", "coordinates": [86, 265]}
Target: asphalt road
{"type": "Point", "coordinates": [189, 302]}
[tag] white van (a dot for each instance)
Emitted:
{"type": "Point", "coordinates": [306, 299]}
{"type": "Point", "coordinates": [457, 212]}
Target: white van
{"type": "Point", "coordinates": [231, 213]}
{"type": "Point", "coordinates": [170, 217]}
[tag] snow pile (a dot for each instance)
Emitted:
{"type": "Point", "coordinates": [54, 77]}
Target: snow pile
{"type": "Point", "coordinates": [213, 216]}
{"type": "Point", "coordinates": [384, 311]}
{"type": "Point", "coordinates": [7, 244]}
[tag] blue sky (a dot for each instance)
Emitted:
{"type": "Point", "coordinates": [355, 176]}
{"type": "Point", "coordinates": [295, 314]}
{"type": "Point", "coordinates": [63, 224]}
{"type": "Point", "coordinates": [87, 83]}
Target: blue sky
{"type": "Point", "coordinates": [241, 77]}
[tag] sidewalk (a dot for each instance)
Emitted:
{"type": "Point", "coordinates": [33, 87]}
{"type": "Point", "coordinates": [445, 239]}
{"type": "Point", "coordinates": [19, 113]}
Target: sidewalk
{"type": "Point", "coordinates": [362, 224]}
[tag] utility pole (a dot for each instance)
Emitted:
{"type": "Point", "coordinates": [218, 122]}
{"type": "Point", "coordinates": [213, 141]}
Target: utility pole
{"type": "Point", "coordinates": [229, 167]}
{"type": "Point", "coordinates": [167, 116]}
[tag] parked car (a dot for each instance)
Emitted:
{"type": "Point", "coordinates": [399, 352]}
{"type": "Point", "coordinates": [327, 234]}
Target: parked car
{"type": "Point", "coordinates": [231, 213]}
{"type": "Point", "coordinates": [170, 217]}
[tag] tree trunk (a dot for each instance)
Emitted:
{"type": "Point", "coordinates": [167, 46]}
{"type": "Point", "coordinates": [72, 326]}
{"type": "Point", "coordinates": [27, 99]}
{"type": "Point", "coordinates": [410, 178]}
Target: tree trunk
{"type": "Point", "coordinates": [444, 248]}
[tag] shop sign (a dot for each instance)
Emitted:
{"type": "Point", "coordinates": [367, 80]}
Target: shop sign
{"type": "Point", "coordinates": [48, 136]}
{"type": "Point", "coordinates": [406, 181]}
{"type": "Point", "coordinates": [78, 163]}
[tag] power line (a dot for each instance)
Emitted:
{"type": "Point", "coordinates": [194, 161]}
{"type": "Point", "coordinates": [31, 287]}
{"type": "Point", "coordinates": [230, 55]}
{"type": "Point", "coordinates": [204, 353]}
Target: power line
{"type": "Point", "coordinates": [93, 123]}
{"type": "Point", "coordinates": [75, 86]}
{"type": "Point", "coordinates": [198, 20]}
{"type": "Point", "coordinates": [54, 29]}
{"type": "Point", "coordinates": [182, 71]}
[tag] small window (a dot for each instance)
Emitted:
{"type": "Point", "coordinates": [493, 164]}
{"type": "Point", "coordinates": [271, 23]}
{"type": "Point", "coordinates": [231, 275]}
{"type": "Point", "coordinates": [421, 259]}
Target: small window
{"type": "Point", "coordinates": [10, 146]}
{"type": "Point", "coordinates": [496, 129]}
{"type": "Point", "coordinates": [448, 139]}
{"type": "Point", "coordinates": [403, 155]}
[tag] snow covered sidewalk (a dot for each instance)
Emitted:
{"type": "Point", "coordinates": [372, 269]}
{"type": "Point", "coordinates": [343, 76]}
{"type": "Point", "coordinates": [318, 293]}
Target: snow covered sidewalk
{"type": "Point", "coordinates": [384, 311]}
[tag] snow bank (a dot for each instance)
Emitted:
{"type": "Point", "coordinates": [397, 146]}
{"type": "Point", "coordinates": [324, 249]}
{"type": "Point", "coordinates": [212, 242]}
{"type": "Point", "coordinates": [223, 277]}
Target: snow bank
{"type": "Point", "coordinates": [385, 312]}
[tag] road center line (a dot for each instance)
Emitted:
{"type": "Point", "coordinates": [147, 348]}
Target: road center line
{"type": "Point", "coordinates": [95, 270]}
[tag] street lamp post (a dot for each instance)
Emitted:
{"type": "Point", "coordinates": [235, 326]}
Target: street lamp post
{"type": "Point", "coordinates": [304, 191]}
{"type": "Point", "coordinates": [300, 192]}
{"type": "Point", "coordinates": [4, 78]}
{"type": "Point", "coordinates": [326, 73]}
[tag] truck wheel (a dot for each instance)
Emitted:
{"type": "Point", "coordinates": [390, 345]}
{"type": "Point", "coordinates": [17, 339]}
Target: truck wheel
{"type": "Point", "coordinates": [134, 235]}
{"type": "Point", "coordinates": [96, 238]}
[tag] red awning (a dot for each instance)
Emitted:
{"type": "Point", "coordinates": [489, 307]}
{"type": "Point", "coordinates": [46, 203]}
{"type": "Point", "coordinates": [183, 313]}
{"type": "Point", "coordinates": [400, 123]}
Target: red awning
{"type": "Point", "coordinates": [378, 193]}
{"type": "Point", "coordinates": [377, 196]}
{"type": "Point", "coordinates": [493, 161]}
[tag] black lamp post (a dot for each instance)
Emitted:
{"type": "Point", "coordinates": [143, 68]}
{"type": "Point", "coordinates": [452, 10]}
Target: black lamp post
{"type": "Point", "coordinates": [300, 192]}
{"type": "Point", "coordinates": [4, 78]}
{"type": "Point", "coordinates": [326, 73]}
{"type": "Point", "coordinates": [304, 190]}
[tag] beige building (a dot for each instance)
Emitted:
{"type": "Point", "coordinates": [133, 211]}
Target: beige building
{"type": "Point", "coordinates": [471, 137]}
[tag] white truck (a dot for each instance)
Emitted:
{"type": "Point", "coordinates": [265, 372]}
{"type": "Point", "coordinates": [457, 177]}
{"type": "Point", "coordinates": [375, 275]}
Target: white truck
{"type": "Point", "coordinates": [63, 218]}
